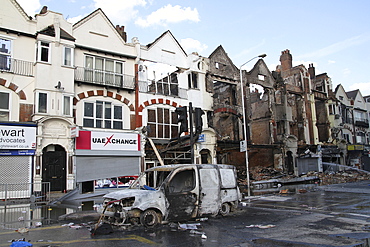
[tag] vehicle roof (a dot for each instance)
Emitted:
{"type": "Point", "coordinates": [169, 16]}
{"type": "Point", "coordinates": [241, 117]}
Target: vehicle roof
{"type": "Point", "coordinates": [173, 166]}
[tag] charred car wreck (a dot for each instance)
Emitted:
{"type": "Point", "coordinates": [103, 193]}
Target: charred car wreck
{"type": "Point", "coordinates": [174, 193]}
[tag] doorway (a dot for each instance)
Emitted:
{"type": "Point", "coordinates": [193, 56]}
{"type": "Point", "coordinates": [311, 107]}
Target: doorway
{"type": "Point", "coordinates": [54, 167]}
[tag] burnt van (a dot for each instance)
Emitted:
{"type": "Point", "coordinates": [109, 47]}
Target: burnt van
{"type": "Point", "coordinates": [174, 193]}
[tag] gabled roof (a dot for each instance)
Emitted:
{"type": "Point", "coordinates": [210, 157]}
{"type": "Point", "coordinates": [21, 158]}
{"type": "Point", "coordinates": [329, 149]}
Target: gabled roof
{"type": "Point", "coordinates": [260, 68]}
{"type": "Point", "coordinates": [21, 10]}
{"type": "Point", "coordinates": [352, 94]}
{"type": "Point", "coordinates": [168, 32]}
{"type": "Point", "coordinates": [91, 15]}
{"type": "Point", "coordinates": [50, 31]}
{"type": "Point", "coordinates": [220, 49]}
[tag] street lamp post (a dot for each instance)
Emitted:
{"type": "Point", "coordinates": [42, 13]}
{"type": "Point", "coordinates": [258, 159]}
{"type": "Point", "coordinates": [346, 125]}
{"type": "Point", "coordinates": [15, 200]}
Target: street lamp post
{"type": "Point", "coordinates": [245, 122]}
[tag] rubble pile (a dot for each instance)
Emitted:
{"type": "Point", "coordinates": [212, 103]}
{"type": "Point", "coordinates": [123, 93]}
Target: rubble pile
{"type": "Point", "coordinates": [326, 178]}
{"type": "Point", "coordinates": [339, 177]}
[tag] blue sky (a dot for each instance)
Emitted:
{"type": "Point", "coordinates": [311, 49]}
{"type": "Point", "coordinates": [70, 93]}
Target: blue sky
{"type": "Point", "coordinates": [333, 35]}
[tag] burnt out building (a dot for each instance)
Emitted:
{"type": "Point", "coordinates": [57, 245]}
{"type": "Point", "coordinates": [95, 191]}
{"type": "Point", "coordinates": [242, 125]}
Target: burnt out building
{"type": "Point", "coordinates": [223, 82]}
{"type": "Point", "coordinates": [288, 118]}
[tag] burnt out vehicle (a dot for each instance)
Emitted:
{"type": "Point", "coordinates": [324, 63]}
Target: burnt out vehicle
{"type": "Point", "coordinates": [174, 193]}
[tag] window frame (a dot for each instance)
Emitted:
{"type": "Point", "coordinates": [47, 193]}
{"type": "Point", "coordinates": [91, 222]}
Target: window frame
{"type": "Point", "coordinates": [101, 121]}
{"type": "Point", "coordinates": [38, 106]}
{"type": "Point", "coordinates": [172, 126]}
{"type": "Point", "coordinates": [6, 111]}
{"type": "Point", "coordinates": [103, 74]}
{"type": "Point", "coordinates": [7, 55]}
{"type": "Point", "coordinates": [193, 80]}
{"type": "Point", "coordinates": [40, 49]}
{"type": "Point", "coordinates": [69, 114]}
{"type": "Point", "coordinates": [64, 56]}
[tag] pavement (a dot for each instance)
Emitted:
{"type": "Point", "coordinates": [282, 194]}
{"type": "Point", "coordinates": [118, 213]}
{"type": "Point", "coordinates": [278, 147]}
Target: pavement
{"type": "Point", "coordinates": [331, 215]}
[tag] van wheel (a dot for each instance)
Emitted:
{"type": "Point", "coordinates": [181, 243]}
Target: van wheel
{"type": "Point", "coordinates": [150, 218]}
{"type": "Point", "coordinates": [225, 209]}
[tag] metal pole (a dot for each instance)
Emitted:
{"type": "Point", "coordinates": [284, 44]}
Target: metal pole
{"type": "Point", "coordinates": [245, 122]}
{"type": "Point", "coordinates": [191, 132]}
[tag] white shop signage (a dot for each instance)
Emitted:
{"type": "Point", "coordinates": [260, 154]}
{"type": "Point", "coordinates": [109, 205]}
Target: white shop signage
{"type": "Point", "coordinates": [114, 141]}
{"type": "Point", "coordinates": [17, 137]}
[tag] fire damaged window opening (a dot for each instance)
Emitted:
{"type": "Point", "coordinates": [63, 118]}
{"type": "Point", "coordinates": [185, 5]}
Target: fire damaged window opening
{"type": "Point", "coordinates": [182, 182]}
{"type": "Point", "coordinates": [159, 78]}
{"type": "Point", "coordinates": [162, 123]}
{"type": "Point", "coordinates": [193, 80]}
{"type": "Point", "coordinates": [258, 91]}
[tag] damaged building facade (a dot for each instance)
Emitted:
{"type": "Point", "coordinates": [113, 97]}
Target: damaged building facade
{"type": "Point", "coordinates": [288, 117]}
{"type": "Point", "coordinates": [84, 83]}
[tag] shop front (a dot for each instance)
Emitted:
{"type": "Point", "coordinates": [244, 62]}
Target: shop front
{"type": "Point", "coordinates": [17, 151]}
{"type": "Point", "coordinates": [106, 159]}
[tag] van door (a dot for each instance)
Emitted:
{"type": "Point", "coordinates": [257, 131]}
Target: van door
{"type": "Point", "coordinates": [209, 199]}
{"type": "Point", "coordinates": [181, 195]}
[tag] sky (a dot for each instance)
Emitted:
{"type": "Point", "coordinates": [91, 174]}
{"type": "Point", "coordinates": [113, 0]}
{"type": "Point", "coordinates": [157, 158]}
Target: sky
{"type": "Point", "coordinates": [332, 35]}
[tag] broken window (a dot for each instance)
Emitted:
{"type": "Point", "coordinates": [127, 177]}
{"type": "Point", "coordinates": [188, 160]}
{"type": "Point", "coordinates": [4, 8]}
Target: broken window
{"type": "Point", "coordinates": [158, 78]}
{"type": "Point", "coordinates": [183, 181]}
{"type": "Point", "coordinates": [162, 123]}
{"type": "Point", "coordinates": [193, 80]}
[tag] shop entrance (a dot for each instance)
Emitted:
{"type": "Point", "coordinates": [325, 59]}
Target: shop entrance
{"type": "Point", "coordinates": [54, 167]}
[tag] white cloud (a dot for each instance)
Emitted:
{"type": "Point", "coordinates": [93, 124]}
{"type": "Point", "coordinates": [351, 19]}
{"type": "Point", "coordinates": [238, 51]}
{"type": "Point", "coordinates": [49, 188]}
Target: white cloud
{"type": "Point", "coordinates": [331, 62]}
{"type": "Point", "coordinates": [169, 14]}
{"type": "Point", "coordinates": [363, 87]}
{"type": "Point", "coordinates": [75, 19]}
{"type": "Point", "coordinates": [191, 45]}
{"type": "Point", "coordinates": [31, 7]}
{"type": "Point", "coordinates": [118, 11]}
{"type": "Point", "coordinates": [346, 71]}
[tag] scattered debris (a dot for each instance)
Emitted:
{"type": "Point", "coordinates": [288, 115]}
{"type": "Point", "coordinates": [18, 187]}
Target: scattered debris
{"type": "Point", "coordinates": [38, 224]}
{"type": "Point", "coordinates": [22, 230]}
{"type": "Point", "coordinates": [348, 175]}
{"type": "Point", "coordinates": [261, 226]}
{"type": "Point", "coordinates": [193, 226]}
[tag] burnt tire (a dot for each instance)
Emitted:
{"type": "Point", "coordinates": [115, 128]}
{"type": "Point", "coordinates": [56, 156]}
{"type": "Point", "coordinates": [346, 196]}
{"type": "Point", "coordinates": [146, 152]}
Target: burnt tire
{"type": "Point", "coordinates": [225, 209]}
{"type": "Point", "coordinates": [150, 218]}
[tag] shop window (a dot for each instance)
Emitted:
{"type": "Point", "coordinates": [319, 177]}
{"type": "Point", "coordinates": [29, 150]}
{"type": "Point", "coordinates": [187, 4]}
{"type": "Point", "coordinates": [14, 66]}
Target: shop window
{"type": "Point", "coordinates": [162, 123]}
{"type": "Point", "coordinates": [102, 114]}
{"type": "Point", "coordinates": [4, 106]}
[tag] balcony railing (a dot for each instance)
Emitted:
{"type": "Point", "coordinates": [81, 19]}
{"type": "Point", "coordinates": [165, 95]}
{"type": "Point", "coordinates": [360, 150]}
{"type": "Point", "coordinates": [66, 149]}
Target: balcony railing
{"type": "Point", "coordinates": [104, 78]}
{"type": "Point", "coordinates": [362, 122]}
{"type": "Point", "coordinates": [16, 66]}
{"type": "Point", "coordinates": [162, 88]}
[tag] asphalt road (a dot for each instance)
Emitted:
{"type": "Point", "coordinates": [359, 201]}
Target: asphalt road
{"type": "Point", "coordinates": [335, 215]}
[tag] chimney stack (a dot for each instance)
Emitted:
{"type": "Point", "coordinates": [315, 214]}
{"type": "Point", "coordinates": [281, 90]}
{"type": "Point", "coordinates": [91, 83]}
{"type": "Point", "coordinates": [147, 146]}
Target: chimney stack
{"type": "Point", "coordinates": [286, 60]}
{"type": "Point", "coordinates": [311, 71]}
{"type": "Point", "coordinates": [121, 31]}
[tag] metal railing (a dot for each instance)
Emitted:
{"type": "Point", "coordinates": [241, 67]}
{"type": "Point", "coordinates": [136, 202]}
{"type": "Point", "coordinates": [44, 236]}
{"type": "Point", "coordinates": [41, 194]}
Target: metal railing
{"type": "Point", "coordinates": [105, 78]}
{"type": "Point", "coordinates": [162, 88]}
{"type": "Point", "coordinates": [16, 66]}
{"type": "Point", "coordinates": [19, 193]}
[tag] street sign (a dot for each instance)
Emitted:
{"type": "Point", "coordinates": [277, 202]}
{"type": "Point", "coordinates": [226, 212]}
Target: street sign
{"type": "Point", "coordinates": [243, 146]}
